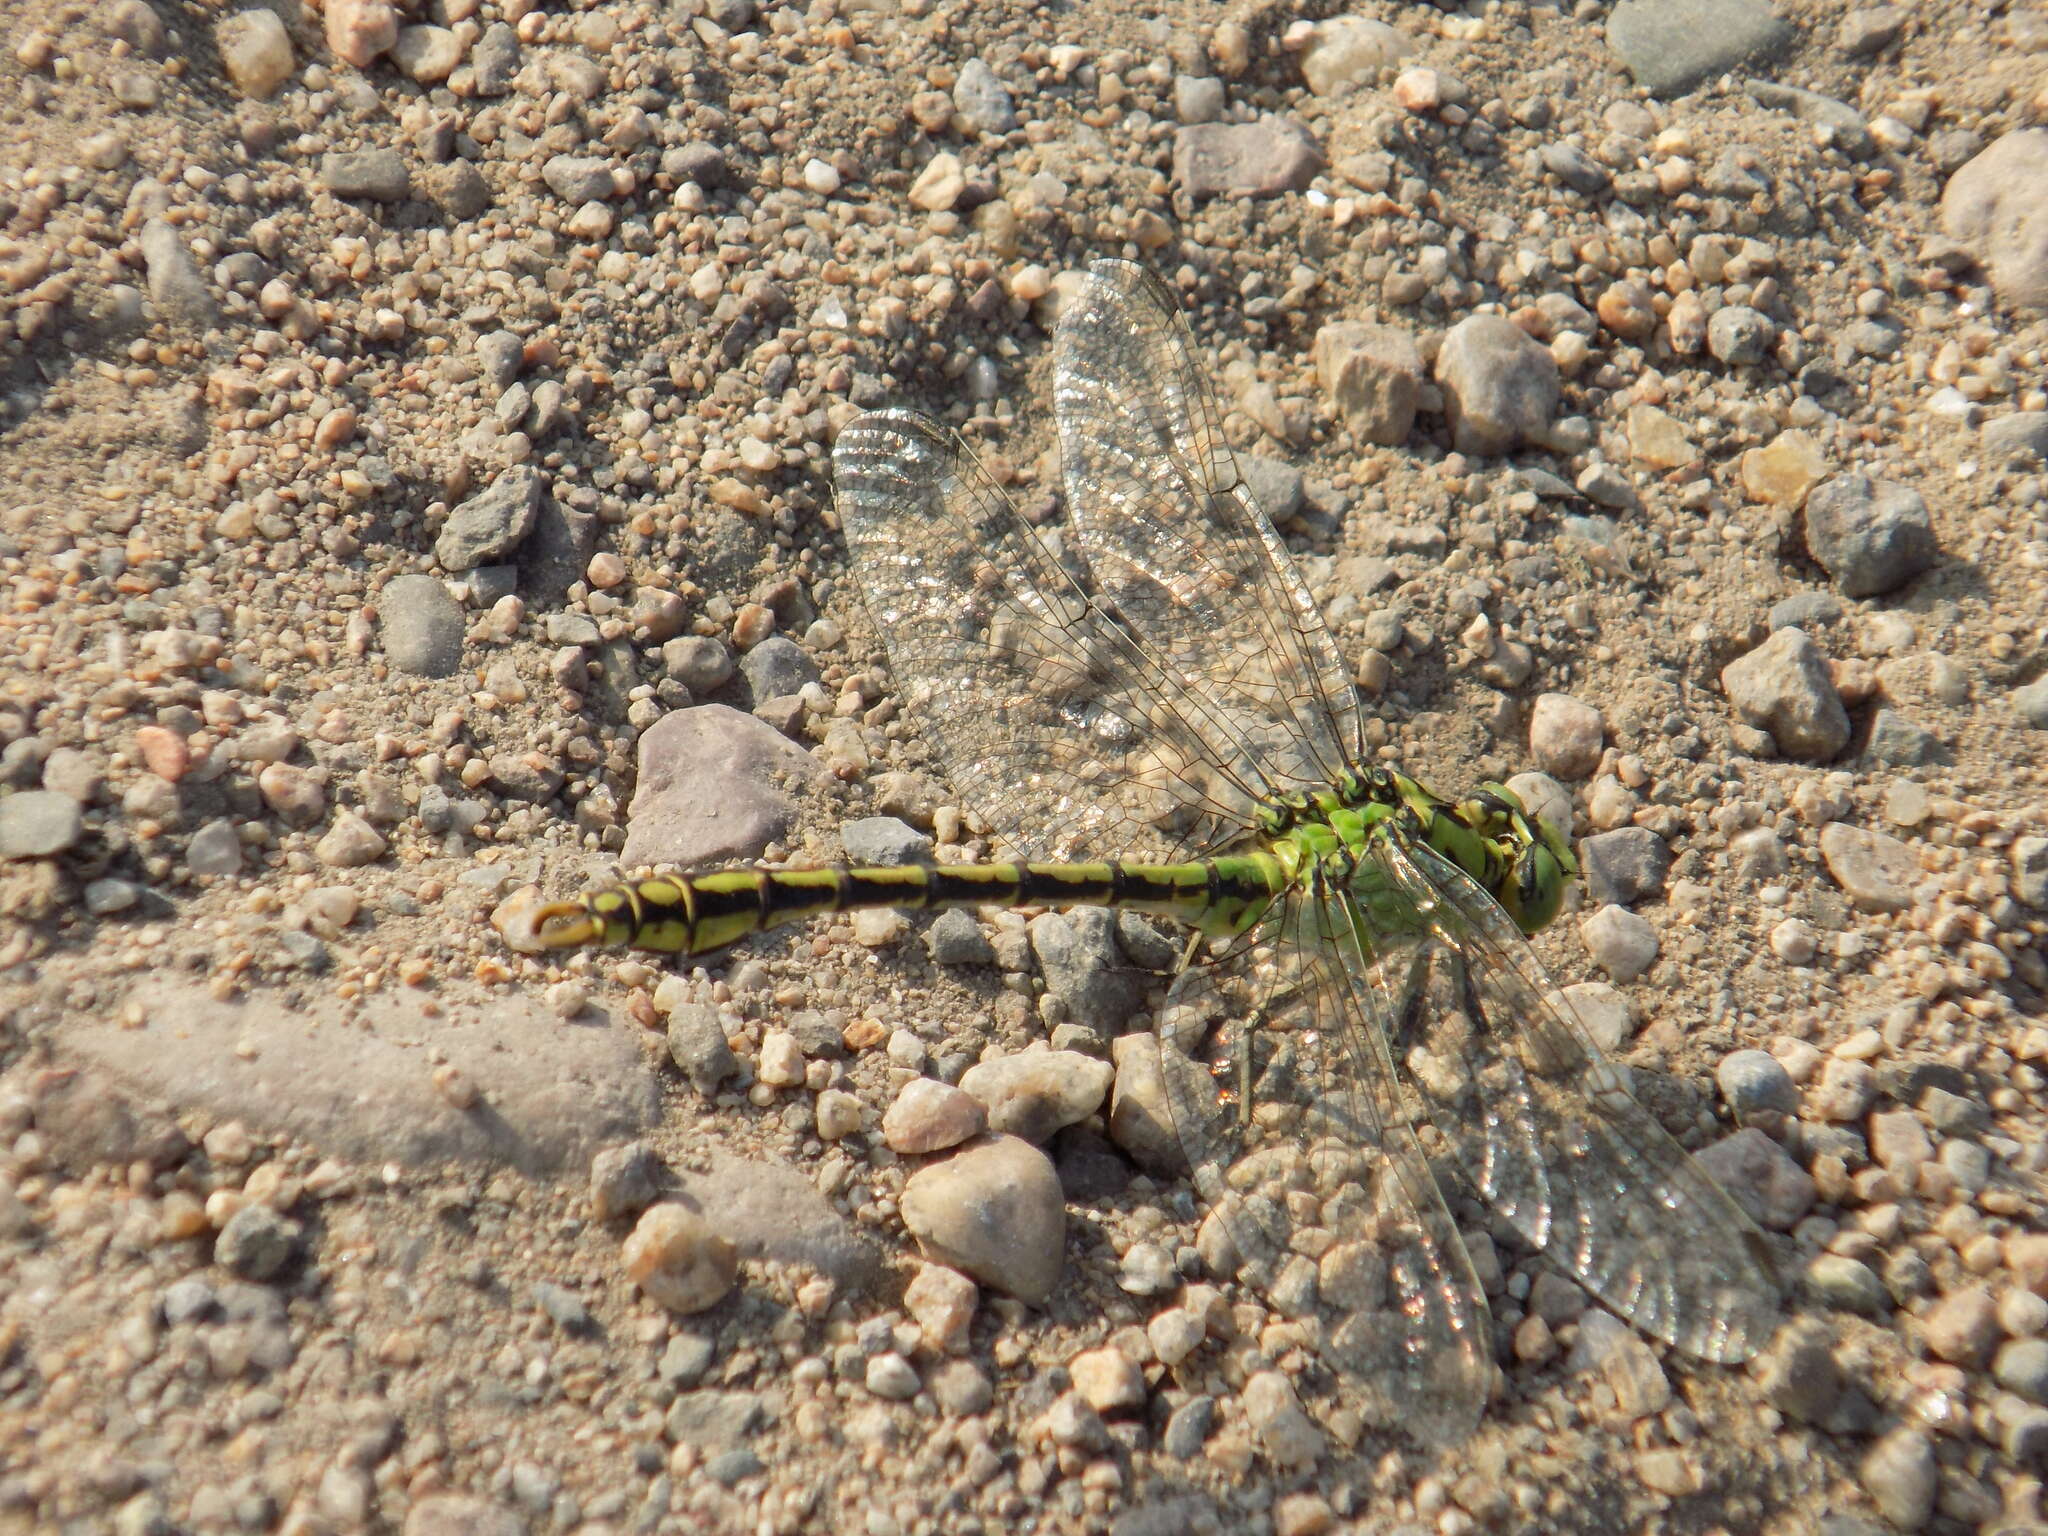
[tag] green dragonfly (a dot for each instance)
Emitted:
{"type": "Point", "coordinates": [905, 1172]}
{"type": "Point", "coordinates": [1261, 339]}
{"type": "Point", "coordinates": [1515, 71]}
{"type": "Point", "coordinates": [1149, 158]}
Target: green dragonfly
{"type": "Point", "coordinates": [1358, 1010]}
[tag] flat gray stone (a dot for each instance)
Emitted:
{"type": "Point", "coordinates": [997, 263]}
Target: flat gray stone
{"type": "Point", "coordinates": [357, 1081]}
{"type": "Point", "coordinates": [708, 790]}
{"type": "Point", "coordinates": [771, 1211]}
{"type": "Point", "coordinates": [1872, 536]}
{"type": "Point", "coordinates": [494, 522]}
{"type": "Point", "coordinates": [37, 823]}
{"type": "Point", "coordinates": [377, 174]}
{"type": "Point", "coordinates": [1669, 46]}
{"type": "Point", "coordinates": [1261, 159]}
{"type": "Point", "coordinates": [1997, 204]}
{"type": "Point", "coordinates": [2023, 434]}
{"type": "Point", "coordinates": [422, 626]}
{"type": "Point", "coordinates": [176, 286]}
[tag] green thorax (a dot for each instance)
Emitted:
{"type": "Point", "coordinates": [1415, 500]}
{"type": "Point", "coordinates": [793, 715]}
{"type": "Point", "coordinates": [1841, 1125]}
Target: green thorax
{"type": "Point", "coordinates": [1519, 860]}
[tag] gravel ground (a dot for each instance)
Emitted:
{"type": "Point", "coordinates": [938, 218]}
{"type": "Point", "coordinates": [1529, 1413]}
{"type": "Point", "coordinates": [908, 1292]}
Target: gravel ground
{"type": "Point", "coordinates": [414, 431]}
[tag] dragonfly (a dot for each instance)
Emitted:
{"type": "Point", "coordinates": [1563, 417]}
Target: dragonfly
{"type": "Point", "coordinates": [1147, 708]}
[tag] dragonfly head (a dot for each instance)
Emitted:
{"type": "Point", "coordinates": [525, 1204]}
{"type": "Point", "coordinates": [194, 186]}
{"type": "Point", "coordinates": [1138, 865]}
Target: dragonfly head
{"type": "Point", "coordinates": [1537, 863]}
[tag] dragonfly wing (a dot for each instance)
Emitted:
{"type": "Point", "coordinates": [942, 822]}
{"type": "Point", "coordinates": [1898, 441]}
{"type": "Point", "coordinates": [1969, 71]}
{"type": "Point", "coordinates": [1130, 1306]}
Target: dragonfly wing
{"type": "Point", "coordinates": [1052, 721]}
{"type": "Point", "coordinates": [1543, 1125]}
{"type": "Point", "coordinates": [1282, 1096]}
{"type": "Point", "coordinates": [1177, 546]}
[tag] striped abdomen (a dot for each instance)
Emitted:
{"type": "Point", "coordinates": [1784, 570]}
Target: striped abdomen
{"type": "Point", "coordinates": [694, 914]}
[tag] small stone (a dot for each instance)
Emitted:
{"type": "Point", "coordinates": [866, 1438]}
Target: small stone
{"type": "Point", "coordinates": [782, 1060]}
{"type": "Point", "coordinates": [1624, 866]}
{"type": "Point", "coordinates": [1565, 735]}
{"type": "Point", "coordinates": [428, 55]}
{"type": "Point", "coordinates": [1871, 30]}
{"type": "Point", "coordinates": [1033, 1094]}
{"type": "Point", "coordinates": [1619, 942]}
{"type": "Point", "coordinates": [1500, 386]}
{"type": "Point", "coordinates": [1187, 1428]}
{"type": "Point", "coordinates": [1997, 204]}
{"type": "Point", "coordinates": [1274, 1414]}
{"type": "Point", "coordinates": [1373, 376]}
{"type": "Point", "coordinates": [1871, 536]}
{"type": "Point", "coordinates": [256, 51]}
{"type": "Point", "coordinates": [625, 1180]}
{"type": "Point", "coordinates": [839, 1115]}
{"type": "Point", "coordinates": [1198, 98]}
{"type": "Point", "coordinates": [981, 102]}
{"type": "Point", "coordinates": [960, 1388]}
{"type": "Point", "coordinates": [995, 1211]}
{"type": "Point", "coordinates": [1783, 470]}
{"type": "Point", "coordinates": [1670, 46]}
{"type": "Point", "coordinates": [1739, 336]}
{"type": "Point", "coordinates": [491, 524]}
{"type": "Point", "coordinates": [1761, 1178]}
{"type": "Point", "coordinates": [2030, 870]}
{"type": "Point", "coordinates": [215, 849]}
{"type": "Point", "coordinates": [2022, 1366]}
{"type": "Point", "coordinates": [939, 185]}
{"type": "Point", "coordinates": [578, 179]}
{"type": "Point", "coordinates": [565, 1309]}
{"type": "Point", "coordinates": [1260, 159]}
{"type": "Point", "coordinates": [420, 625]}
{"type": "Point", "coordinates": [377, 174]}
{"type": "Point", "coordinates": [1140, 1117]}
{"type": "Point", "coordinates": [698, 1047]}
{"type": "Point", "coordinates": [1875, 869]}
{"type": "Point", "coordinates": [176, 286]}
{"type": "Point", "coordinates": [942, 1301]}
{"type": "Point", "coordinates": [1349, 51]}
{"type": "Point", "coordinates": [1899, 1142]}
{"type": "Point", "coordinates": [1755, 1083]}
{"type": "Point", "coordinates": [1784, 687]}
{"type": "Point", "coordinates": [1656, 438]}
{"type": "Point", "coordinates": [677, 1261]}
{"type": "Point", "coordinates": [1843, 1092]}
{"type": "Point", "coordinates": [2022, 435]}
{"type": "Point", "coordinates": [955, 938]}
{"type": "Point", "coordinates": [891, 1377]}
{"type": "Point", "coordinates": [349, 843]}
{"type": "Point", "coordinates": [1847, 1285]}
{"type": "Point", "coordinates": [929, 1116]}
{"type": "Point", "coordinates": [38, 823]}
{"type": "Point", "coordinates": [1901, 1477]}
{"type": "Point", "coordinates": [1962, 1327]}
{"type": "Point", "coordinates": [256, 1242]}
{"type": "Point", "coordinates": [1108, 1380]}
{"type": "Point", "coordinates": [359, 30]}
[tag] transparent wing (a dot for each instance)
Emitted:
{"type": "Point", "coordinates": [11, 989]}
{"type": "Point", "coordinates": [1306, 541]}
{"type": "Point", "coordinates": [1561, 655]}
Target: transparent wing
{"type": "Point", "coordinates": [1174, 542]}
{"type": "Point", "coordinates": [1540, 1121]}
{"type": "Point", "coordinates": [1283, 1098]}
{"type": "Point", "coordinates": [1054, 722]}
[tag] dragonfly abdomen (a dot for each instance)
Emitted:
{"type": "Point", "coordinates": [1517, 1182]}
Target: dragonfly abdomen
{"type": "Point", "coordinates": [695, 914]}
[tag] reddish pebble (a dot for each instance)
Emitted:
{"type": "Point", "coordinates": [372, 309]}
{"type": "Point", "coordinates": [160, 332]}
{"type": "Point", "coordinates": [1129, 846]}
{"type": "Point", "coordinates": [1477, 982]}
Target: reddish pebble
{"type": "Point", "coordinates": [163, 751]}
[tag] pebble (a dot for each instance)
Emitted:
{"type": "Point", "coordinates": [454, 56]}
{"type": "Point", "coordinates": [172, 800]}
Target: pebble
{"type": "Point", "coordinates": [1619, 942]}
{"type": "Point", "coordinates": [1755, 1083]}
{"type": "Point", "coordinates": [1784, 687]}
{"type": "Point", "coordinates": [2022, 1366]}
{"type": "Point", "coordinates": [2021, 435]}
{"type": "Point", "coordinates": [377, 174]}
{"type": "Point", "coordinates": [1373, 375]}
{"type": "Point", "coordinates": [1875, 869]}
{"type": "Point", "coordinates": [955, 938]}
{"type": "Point", "coordinates": [929, 1116]}
{"type": "Point", "coordinates": [2030, 870]}
{"type": "Point", "coordinates": [1140, 1116]}
{"type": "Point", "coordinates": [1670, 46]}
{"type": "Point", "coordinates": [678, 1261]}
{"type": "Point", "coordinates": [1783, 470]}
{"type": "Point", "coordinates": [1347, 51]}
{"type": "Point", "coordinates": [981, 102]}
{"type": "Point", "coordinates": [1658, 439]}
{"type": "Point", "coordinates": [625, 1180]}
{"type": "Point", "coordinates": [1962, 1327]}
{"type": "Point", "coordinates": [422, 628]}
{"type": "Point", "coordinates": [1901, 1477]}
{"type": "Point", "coordinates": [1034, 1094]}
{"type": "Point", "coordinates": [1761, 1178]}
{"type": "Point", "coordinates": [1261, 159]}
{"type": "Point", "coordinates": [1739, 336]}
{"type": "Point", "coordinates": [1275, 1415]}
{"type": "Point", "coordinates": [427, 54]}
{"type": "Point", "coordinates": [1108, 1380]}
{"type": "Point", "coordinates": [1565, 735]}
{"type": "Point", "coordinates": [839, 1115]}
{"type": "Point", "coordinates": [1997, 204]}
{"type": "Point", "coordinates": [256, 1243]}
{"type": "Point", "coordinates": [697, 1045]}
{"type": "Point", "coordinates": [491, 524]}
{"type": "Point", "coordinates": [1500, 387]}
{"type": "Point", "coordinates": [350, 843]}
{"type": "Point", "coordinates": [38, 823]}
{"type": "Point", "coordinates": [176, 286]}
{"type": "Point", "coordinates": [1624, 866]}
{"type": "Point", "coordinates": [942, 1301]}
{"type": "Point", "coordinates": [892, 1377]}
{"type": "Point", "coordinates": [1843, 1092]}
{"type": "Point", "coordinates": [1799, 1375]}
{"type": "Point", "coordinates": [256, 51]}
{"type": "Point", "coordinates": [1871, 536]}
{"type": "Point", "coordinates": [1899, 1142]}
{"type": "Point", "coordinates": [994, 1211]}
{"type": "Point", "coordinates": [359, 30]}
{"type": "Point", "coordinates": [1085, 969]}
{"type": "Point", "coordinates": [1847, 1285]}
